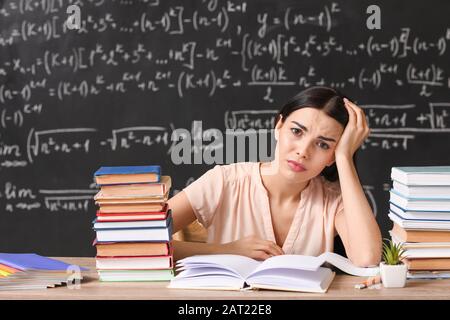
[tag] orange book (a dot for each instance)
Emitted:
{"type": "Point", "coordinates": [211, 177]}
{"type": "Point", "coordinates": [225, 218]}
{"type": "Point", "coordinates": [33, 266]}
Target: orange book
{"type": "Point", "coordinates": [136, 190]}
{"type": "Point", "coordinates": [428, 264]}
{"type": "Point", "coordinates": [100, 199]}
{"type": "Point", "coordinates": [149, 200]}
{"type": "Point", "coordinates": [420, 235]}
{"type": "Point", "coordinates": [132, 249]}
{"type": "Point", "coordinates": [128, 178]}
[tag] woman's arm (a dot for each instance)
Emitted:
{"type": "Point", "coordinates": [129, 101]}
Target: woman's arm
{"type": "Point", "coordinates": [183, 215]}
{"type": "Point", "coordinates": [356, 226]}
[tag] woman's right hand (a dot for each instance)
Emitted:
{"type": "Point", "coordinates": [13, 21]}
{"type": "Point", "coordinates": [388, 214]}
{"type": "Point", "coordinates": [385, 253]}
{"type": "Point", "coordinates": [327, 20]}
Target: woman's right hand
{"type": "Point", "coordinates": [253, 247]}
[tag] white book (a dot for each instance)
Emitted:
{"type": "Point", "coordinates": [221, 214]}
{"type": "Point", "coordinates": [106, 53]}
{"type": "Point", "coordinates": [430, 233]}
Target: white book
{"type": "Point", "coordinates": [157, 234]}
{"type": "Point", "coordinates": [424, 252]}
{"type": "Point", "coordinates": [419, 215]}
{"type": "Point", "coordinates": [427, 253]}
{"type": "Point", "coordinates": [428, 275]}
{"type": "Point", "coordinates": [419, 204]}
{"type": "Point", "coordinates": [419, 224]}
{"type": "Point", "coordinates": [422, 175]}
{"type": "Point", "coordinates": [134, 263]}
{"type": "Point", "coordinates": [135, 275]}
{"type": "Point", "coordinates": [429, 192]}
{"type": "Point", "coordinates": [284, 272]}
{"type": "Point", "coordinates": [130, 224]}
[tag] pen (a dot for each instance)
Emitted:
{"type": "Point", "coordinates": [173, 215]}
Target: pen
{"type": "Point", "coordinates": [368, 282]}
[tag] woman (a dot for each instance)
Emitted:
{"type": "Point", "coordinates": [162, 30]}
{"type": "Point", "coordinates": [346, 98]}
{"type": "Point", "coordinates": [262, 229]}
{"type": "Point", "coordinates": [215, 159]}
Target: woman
{"type": "Point", "coordinates": [298, 202]}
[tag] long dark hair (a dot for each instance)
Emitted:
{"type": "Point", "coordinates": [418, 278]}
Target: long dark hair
{"type": "Point", "coordinates": [328, 100]}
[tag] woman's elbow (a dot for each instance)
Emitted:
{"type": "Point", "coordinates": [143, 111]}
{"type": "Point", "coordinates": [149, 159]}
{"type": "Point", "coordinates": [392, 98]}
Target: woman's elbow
{"type": "Point", "coordinates": [366, 260]}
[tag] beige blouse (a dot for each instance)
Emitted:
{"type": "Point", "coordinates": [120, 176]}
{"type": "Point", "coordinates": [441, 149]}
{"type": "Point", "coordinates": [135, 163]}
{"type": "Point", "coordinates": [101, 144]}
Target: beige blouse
{"type": "Point", "coordinates": [232, 202]}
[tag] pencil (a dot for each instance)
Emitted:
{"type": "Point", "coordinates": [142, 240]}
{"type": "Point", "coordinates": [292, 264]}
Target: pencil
{"type": "Point", "coordinates": [368, 282]}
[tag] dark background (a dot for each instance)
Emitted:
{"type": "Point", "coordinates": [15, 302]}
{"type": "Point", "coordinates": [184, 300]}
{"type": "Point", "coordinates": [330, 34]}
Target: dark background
{"type": "Point", "coordinates": [113, 92]}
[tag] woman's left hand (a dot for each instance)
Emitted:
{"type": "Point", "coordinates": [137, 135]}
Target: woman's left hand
{"type": "Point", "coordinates": [356, 131]}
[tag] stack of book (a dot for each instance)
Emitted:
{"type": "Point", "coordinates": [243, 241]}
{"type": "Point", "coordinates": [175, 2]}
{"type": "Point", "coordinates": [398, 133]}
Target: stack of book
{"type": "Point", "coordinates": [133, 224]}
{"type": "Point", "coordinates": [420, 210]}
{"type": "Point", "coordinates": [26, 271]}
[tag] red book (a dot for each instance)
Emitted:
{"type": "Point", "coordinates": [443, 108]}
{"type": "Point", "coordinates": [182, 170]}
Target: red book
{"type": "Point", "coordinates": [132, 216]}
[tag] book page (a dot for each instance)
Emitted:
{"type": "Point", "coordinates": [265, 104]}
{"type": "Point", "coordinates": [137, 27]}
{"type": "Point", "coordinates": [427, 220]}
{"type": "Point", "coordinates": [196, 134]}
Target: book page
{"type": "Point", "coordinates": [290, 261]}
{"type": "Point", "coordinates": [240, 265]}
{"type": "Point", "coordinates": [293, 280]}
{"type": "Point", "coordinates": [345, 265]}
{"type": "Point", "coordinates": [311, 263]}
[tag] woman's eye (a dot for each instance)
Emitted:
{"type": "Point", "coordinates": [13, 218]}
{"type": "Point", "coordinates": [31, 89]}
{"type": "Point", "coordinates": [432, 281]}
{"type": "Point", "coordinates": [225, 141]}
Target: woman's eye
{"type": "Point", "coordinates": [296, 131]}
{"type": "Point", "coordinates": [324, 145]}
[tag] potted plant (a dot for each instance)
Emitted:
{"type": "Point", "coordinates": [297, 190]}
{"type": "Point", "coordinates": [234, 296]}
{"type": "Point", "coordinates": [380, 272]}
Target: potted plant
{"type": "Point", "coordinates": [393, 271]}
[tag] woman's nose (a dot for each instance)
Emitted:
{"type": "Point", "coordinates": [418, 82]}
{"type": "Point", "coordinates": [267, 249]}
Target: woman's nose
{"type": "Point", "coordinates": [303, 149]}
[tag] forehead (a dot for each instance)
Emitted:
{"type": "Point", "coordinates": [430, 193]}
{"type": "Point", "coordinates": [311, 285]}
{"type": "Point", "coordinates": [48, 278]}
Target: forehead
{"type": "Point", "coordinates": [315, 120]}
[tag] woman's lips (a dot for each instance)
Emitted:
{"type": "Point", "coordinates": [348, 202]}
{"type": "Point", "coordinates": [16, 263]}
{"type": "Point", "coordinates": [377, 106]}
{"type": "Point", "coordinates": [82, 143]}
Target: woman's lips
{"type": "Point", "coordinates": [295, 166]}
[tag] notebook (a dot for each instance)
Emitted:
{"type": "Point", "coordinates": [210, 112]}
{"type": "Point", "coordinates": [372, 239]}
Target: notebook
{"type": "Point", "coordinates": [26, 271]}
{"type": "Point", "coordinates": [284, 272]}
{"type": "Point", "coordinates": [31, 261]}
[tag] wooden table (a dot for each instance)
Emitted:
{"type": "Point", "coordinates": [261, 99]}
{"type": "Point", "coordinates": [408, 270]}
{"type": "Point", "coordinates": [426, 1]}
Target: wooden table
{"type": "Point", "coordinates": [341, 288]}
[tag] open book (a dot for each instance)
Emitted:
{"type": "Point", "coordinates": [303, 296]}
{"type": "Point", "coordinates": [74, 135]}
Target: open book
{"type": "Point", "coordinates": [283, 272]}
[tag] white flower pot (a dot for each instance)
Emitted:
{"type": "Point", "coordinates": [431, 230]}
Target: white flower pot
{"type": "Point", "coordinates": [393, 276]}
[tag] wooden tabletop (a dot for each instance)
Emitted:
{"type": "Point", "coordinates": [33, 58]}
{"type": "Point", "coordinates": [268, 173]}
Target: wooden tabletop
{"type": "Point", "coordinates": [341, 288]}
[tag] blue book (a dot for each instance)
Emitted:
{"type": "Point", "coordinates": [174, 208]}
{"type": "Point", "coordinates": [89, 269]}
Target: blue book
{"type": "Point", "coordinates": [128, 174]}
{"type": "Point", "coordinates": [32, 261]}
{"type": "Point", "coordinates": [422, 175]}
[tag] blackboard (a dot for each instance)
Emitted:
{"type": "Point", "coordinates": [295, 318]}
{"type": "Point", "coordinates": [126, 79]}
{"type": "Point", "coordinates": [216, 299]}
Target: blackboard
{"type": "Point", "coordinates": [114, 91]}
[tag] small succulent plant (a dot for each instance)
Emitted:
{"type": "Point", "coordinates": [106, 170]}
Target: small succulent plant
{"type": "Point", "coordinates": [393, 252]}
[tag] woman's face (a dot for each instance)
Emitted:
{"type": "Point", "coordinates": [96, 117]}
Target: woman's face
{"type": "Point", "coordinates": [306, 141]}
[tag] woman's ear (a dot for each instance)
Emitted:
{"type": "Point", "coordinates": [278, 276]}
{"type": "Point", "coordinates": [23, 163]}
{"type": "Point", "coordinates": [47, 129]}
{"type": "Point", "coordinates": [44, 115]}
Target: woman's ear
{"type": "Point", "coordinates": [331, 162]}
{"type": "Point", "coordinates": [278, 127]}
